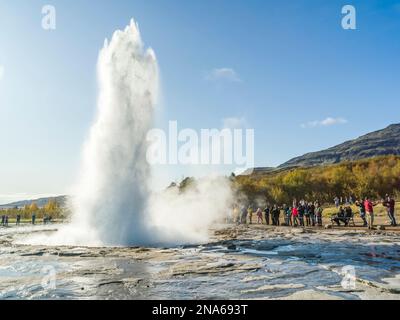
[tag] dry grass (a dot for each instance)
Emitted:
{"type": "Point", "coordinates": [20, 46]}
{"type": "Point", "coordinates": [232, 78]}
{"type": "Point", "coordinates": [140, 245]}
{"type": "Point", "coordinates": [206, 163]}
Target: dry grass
{"type": "Point", "coordinates": [379, 210]}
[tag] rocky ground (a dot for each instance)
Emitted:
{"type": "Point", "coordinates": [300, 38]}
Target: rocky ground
{"type": "Point", "coordinates": [239, 262]}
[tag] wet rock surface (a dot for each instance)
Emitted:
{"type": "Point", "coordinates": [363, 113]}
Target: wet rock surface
{"type": "Point", "coordinates": [239, 262]}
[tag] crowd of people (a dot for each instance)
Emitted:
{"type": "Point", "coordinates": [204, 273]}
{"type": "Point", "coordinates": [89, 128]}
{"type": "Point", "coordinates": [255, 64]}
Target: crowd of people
{"type": "Point", "coordinates": [309, 214]}
{"type": "Point", "coordinates": [367, 210]}
{"type": "Point", "coordinates": [301, 213]}
{"type": "Point", "coordinates": [5, 218]}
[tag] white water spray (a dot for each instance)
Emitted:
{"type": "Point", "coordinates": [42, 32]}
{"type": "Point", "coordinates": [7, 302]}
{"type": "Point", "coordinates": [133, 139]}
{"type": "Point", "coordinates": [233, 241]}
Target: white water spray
{"type": "Point", "coordinates": [112, 191]}
{"type": "Point", "coordinates": [111, 199]}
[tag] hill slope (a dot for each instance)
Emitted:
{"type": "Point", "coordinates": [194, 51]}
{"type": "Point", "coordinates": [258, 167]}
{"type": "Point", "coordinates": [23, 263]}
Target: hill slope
{"type": "Point", "coordinates": [378, 143]}
{"type": "Point", "coordinates": [40, 202]}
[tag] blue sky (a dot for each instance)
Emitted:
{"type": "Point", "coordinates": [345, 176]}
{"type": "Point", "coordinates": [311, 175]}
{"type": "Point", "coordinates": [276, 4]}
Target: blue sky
{"type": "Point", "coordinates": [288, 65]}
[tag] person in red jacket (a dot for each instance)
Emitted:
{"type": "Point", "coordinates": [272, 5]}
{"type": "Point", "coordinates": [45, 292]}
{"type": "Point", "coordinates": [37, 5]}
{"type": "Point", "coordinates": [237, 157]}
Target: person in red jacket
{"type": "Point", "coordinates": [369, 209]}
{"type": "Point", "coordinates": [295, 215]}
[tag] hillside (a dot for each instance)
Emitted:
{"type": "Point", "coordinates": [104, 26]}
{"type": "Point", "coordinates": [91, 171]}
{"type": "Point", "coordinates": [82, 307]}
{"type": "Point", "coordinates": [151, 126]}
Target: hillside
{"type": "Point", "coordinates": [378, 143]}
{"type": "Point", "coordinates": [372, 177]}
{"type": "Point", "coordinates": [40, 202]}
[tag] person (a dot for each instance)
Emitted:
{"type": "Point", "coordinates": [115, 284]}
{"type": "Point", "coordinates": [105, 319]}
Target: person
{"type": "Point", "coordinates": [235, 214]}
{"type": "Point", "coordinates": [301, 210]}
{"type": "Point", "coordinates": [267, 211]}
{"type": "Point", "coordinates": [336, 200]}
{"type": "Point", "coordinates": [389, 203]}
{"type": "Point", "coordinates": [3, 220]}
{"type": "Point", "coordinates": [259, 216]}
{"type": "Point", "coordinates": [288, 215]}
{"type": "Point", "coordinates": [243, 215]}
{"type": "Point", "coordinates": [250, 213]}
{"type": "Point", "coordinates": [369, 209]}
{"type": "Point", "coordinates": [295, 215]}
{"type": "Point", "coordinates": [6, 221]}
{"type": "Point", "coordinates": [361, 207]}
{"type": "Point", "coordinates": [307, 215]}
{"type": "Point", "coordinates": [18, 219]}
{"type": "Point", "coordinates": [351, 200]}
{"type": "Point", "coordinates": [318, 214]}
{"type": "Point", "coordinates": [278, 214]}
{"type": "Point", "coordinates": [339, 217]}
{"type": "Point", "coordinates": [348, 214]}
{"type": "Point", "coordinates": [311, 209]}
{"type": "Point", "coordinates": [33, 218]}
{"type": "Point", "coordinates": [275, 215]}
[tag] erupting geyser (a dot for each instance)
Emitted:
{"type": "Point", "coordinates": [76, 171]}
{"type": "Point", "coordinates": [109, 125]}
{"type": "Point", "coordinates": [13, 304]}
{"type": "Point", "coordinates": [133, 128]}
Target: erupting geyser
{"type": "Point", "coordinates": [112, 191]}
{"type": "Point", "coordinates": [112, 203]}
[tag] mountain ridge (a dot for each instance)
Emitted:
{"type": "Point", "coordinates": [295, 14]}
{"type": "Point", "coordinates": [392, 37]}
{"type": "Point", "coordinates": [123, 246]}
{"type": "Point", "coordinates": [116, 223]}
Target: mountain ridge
{"type": "Point", "coordinates": [377, 143]}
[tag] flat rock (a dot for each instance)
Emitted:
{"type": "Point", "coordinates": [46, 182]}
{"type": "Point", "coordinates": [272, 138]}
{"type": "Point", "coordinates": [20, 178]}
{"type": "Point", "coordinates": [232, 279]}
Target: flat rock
{"type": "Point", "coordinates": [279, 286]}
{"type": "Point", "coordinates": [310, 295]}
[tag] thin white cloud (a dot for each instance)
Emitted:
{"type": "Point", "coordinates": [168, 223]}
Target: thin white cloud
{"type": "Point", "coordinates": [223, 74]}
{"type": "Point", "coordinates": [1, 72]}
{"type": "Point", "coordinates": [324, 123]}
{"type": "Point", "coordinates": [234, 123]}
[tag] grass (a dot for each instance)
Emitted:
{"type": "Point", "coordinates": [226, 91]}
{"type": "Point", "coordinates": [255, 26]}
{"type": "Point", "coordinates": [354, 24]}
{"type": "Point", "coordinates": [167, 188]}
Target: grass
{"type": "Point", "coordinates": [379, 210]}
